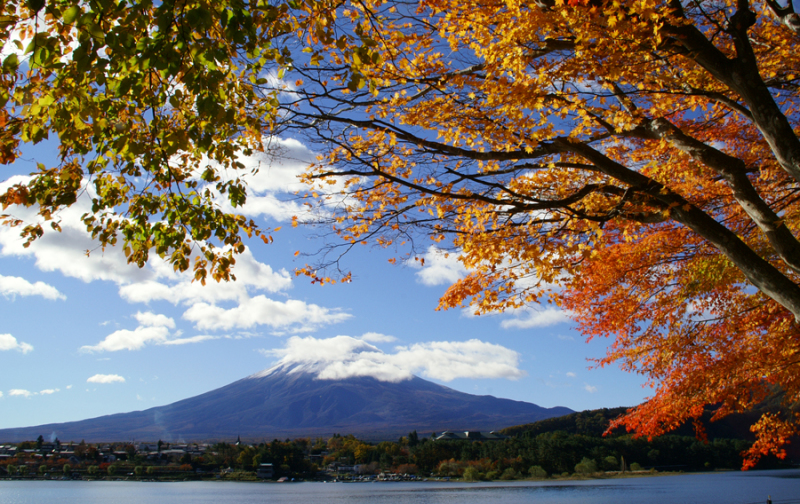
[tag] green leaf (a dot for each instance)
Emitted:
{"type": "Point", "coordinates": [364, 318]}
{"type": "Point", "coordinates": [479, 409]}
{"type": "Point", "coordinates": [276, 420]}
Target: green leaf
{"type": "Point", "coordinates": [123, 87]}
{"type": "Point", "coordinates": [71, 14]}
{"type": "Point", "coordinates": [6, 21]}
{"type": "Point", "coordinates": [42, 56]}
{"type": "Point", "coordinates": [97, 33]}
{"type": "Point", "coordinates": [11, 63]}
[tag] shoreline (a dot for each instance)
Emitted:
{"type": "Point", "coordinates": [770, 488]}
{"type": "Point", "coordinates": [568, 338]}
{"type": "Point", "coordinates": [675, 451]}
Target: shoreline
{"type": "Point", "coordinates": [558, 478]}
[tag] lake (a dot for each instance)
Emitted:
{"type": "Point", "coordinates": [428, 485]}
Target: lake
{"type": "Point", "coordinates": [709, 488]}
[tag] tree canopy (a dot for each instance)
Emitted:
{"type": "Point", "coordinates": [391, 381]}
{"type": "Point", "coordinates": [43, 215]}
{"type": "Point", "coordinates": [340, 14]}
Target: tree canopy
{"type": "Point", "coordinates": [151, 103]}
{"type": "Point", "coordinates": [635, 162]}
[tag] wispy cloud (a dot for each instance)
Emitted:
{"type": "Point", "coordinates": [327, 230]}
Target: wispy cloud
{"type": "Point", "coordinates": [373, 337]}
{"type": "Point", "coordinates": [154, 329]}
{"type": "Point", "coordinates": [186, 341]}
{"type": "Point", "coordinates": [105, 378]}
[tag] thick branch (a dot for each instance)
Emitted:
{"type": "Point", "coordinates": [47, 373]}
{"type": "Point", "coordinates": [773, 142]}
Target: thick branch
{"type": "Point", "coordinates": [742, 76]}
{"type": "Point", "coordinates": [734, 171]}
{"type": "Point", "coordinates": [785, 15]}
{"type": "Point", "coordinates": [439, 147]}
{"type": "Point", "coordinates": [766, 277]}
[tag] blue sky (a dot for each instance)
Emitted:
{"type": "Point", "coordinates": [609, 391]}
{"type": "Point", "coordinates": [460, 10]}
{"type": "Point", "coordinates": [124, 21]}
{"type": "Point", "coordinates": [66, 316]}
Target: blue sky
{"type": "Point", "coordinates": [85, 336]}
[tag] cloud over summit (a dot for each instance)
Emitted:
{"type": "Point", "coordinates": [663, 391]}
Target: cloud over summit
{"type": "Point", "coordinates": [344, 357]}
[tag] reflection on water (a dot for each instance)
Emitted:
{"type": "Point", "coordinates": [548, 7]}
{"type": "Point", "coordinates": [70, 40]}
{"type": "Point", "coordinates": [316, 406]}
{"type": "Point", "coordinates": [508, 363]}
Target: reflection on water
{"type": "Point", "coordinates": [713, 488]}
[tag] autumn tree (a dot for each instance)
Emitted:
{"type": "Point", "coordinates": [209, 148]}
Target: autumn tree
{"type": "Point", "coordinates": [635, 162]}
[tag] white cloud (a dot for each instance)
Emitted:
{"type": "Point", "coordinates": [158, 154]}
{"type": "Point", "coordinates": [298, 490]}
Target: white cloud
{"type": "Point", "coordinates": [69, 387]}
{"type": "Point", "coordinates": [154, 329]}
{"type": "Point", "coordinates": [150, 319]}
{"type": "Point", "coordinates": [272, 180]}
{"type": "Point", "coordinates": [571, 374]}
{"type": "Point", "coordinates": [1, 394]}
{"type": "Point", "coordinates": [20, 393]}
{"type": "Point", "coordinates": [105, 378]}
{"type": "Point", "coordinates": [440, 268]}
{"type": "Point", "coordinates": [373, 337]}
{"type": "Point", "coordinates": [179, 287]}
{"type": "Point", "coordinates": [65, 251]}
{"type": "Point", "coordinates": [343, 357]}
{"type": "Point", "coordinates": [261, 310]}
{"type": "Point", "coordinates": [448, 360]}
{"type": "Point", "coordinates": [530, 317]}
{"type": "Point", "coordinates": [9, 342]}
{"type": "Point", "coordinates": [16, 286]}
{"type": "Point", "coordinates": [589, 388]}
{"type": "Point", "coordinates": [125, 339]}
{"type": "Point", "coordinates": [48, 391]}
{"type": "Point", "coordinates": [269, 178]}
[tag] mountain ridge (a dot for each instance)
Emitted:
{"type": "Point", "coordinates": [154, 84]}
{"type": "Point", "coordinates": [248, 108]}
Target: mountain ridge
{"type": "Point", "coordinates": [287, 402]}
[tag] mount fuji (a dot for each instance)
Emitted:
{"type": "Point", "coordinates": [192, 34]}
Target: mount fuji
{"type": "Point", "coordinates": [292, 401]}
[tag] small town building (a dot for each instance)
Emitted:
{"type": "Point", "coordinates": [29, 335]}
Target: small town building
{"type": "Point", "coordinates": [265, 471]}
{"type": "Point", "coordinates": [471, 436]}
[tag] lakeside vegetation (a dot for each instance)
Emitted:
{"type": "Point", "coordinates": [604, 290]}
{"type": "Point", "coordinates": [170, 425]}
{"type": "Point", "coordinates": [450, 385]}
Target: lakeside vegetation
{"type": "Point", "coordinates": [570, 446]}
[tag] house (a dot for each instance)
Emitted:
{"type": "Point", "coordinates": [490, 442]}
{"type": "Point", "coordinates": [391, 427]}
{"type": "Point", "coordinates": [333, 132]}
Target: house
{"type": "Point", "coordinates": [341, 468]}
{"type": "Point", "coordinates": [265, 471]}
{"type": "Point", "coordinates": [173, 454]}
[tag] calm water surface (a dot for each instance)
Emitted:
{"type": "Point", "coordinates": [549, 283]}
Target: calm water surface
{"type": "Point", "coordinates": [715, 488]}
